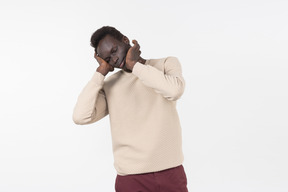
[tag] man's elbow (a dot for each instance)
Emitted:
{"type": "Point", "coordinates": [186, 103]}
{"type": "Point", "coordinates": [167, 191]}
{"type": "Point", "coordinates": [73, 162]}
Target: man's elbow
{"type": "Point", "coordinates": [176, 94]}
{"type": "Point", "coordinates": [79, 120]}
{"type": "Point", "coordinates": [178, 90]}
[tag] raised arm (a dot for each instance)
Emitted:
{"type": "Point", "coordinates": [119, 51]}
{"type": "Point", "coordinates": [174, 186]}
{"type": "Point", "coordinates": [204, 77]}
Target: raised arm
{"type": "Point", "coordinates": [91, 104]}
{"type": "Point", "coordinates": [168, 83]}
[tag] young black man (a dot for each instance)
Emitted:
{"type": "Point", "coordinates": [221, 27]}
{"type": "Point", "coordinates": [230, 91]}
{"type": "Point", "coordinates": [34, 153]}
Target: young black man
{"type": "Point", "coordinates": [140, 100]}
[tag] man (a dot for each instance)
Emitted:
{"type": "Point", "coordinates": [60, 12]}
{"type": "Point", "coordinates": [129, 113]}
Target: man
{"type": "Point", "coordinates": [141, 102]}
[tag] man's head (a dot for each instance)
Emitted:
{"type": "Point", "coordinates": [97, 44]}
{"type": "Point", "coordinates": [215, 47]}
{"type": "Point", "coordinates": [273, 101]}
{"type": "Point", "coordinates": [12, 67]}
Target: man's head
{"type": "Point", "coordinates": [111, 45]}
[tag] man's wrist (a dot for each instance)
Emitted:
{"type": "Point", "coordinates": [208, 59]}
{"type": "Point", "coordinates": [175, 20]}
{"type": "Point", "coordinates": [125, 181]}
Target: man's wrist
{"type": "Point", "coordinates": [103, 72]}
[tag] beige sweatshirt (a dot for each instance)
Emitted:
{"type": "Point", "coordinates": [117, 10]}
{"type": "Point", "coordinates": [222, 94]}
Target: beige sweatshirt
{"type": "Point", "coordinates": [145, 128]}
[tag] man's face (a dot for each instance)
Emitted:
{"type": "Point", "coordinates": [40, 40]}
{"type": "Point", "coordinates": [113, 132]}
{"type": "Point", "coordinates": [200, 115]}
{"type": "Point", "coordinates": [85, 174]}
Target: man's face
{"type": "Point", "coordinates": [114, 51]}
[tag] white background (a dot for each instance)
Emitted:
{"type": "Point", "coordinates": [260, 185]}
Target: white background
{"type": "Point", "coordinates": [233, 112]}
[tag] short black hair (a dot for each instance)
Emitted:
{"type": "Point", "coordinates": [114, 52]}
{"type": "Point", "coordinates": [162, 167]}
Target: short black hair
{"type": "Point", "coordinates": [102, 32]}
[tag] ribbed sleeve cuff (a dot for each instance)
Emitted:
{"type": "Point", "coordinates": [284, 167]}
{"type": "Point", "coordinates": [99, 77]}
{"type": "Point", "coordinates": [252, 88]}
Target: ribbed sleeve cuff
{"type": "Point", "coordinates": [138, 68]}
{"type": "Point", "coordinates": [98, 78]}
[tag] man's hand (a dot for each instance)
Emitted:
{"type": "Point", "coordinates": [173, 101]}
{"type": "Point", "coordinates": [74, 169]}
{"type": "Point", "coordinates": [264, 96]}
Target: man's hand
{"type": "Point", "coordinates": [133, 55]}
{"type": "Point", "coordinates": [104, 67]}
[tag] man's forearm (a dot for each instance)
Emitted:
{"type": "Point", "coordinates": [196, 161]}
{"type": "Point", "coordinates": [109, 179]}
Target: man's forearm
{"type": "Point", "coordinates": [91, 103]}
{"type": "Point", "coordinates": [171, 85]}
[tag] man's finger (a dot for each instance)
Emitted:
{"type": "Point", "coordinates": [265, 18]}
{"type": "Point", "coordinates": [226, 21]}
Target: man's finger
{"type": "Point", "coordinates": [100, 60]}
{"type": "Point", "coordinates": [97, 58]}
{"type": "Point", "coordinates": [134, 42]}
{"type": "Point", "coordinates": [136, 45]}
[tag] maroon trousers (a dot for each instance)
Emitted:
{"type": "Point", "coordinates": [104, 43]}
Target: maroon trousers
{"type": "Point", "coordinates": [169, 180]}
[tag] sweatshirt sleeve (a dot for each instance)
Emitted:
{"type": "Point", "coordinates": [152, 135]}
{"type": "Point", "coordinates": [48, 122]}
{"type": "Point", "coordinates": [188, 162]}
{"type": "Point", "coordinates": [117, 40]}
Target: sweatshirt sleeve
{"type": "Point", "coordinates": [169, 83]}
{"type": "Point", "coordinates": [91, 104]}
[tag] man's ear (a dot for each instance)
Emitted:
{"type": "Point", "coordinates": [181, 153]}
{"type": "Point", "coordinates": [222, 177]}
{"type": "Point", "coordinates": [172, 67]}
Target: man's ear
{"type": "Point", "coordinates": [125, 40]}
